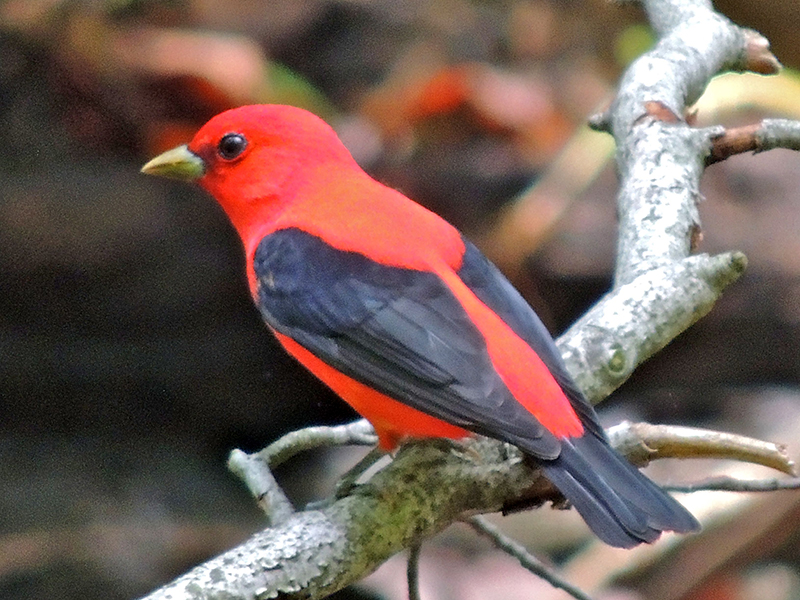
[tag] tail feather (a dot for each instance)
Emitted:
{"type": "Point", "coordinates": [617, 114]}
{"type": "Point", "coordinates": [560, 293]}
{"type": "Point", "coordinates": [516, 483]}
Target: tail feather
{"type": "Point", "coordinates": [622, 506]}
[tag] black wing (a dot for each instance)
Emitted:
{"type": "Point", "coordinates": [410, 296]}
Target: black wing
{"type": "Point", "coordinates": [400, 331]}
{"type": "Point", "coordinates": [495, 291]}
{"type": "Point", "coordinates": [619, 503]}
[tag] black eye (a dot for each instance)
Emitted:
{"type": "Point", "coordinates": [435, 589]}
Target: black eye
{"type": "Point", "coordinates": [231, 145]}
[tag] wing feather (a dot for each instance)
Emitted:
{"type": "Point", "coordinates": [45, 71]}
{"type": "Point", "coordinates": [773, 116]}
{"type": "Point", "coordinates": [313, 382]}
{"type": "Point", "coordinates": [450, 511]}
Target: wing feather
{"type": "Point", "coordinates": [493, 289]}
{"type": "Point", "coordinates": [400, 331]}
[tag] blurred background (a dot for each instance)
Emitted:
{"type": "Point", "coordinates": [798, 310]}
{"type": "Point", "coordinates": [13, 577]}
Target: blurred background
{"type": "Point", "coordinates": [132, 360]}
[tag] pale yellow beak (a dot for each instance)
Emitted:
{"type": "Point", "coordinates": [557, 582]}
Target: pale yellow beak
{"type": "Point", "coordinates": [178, 163]}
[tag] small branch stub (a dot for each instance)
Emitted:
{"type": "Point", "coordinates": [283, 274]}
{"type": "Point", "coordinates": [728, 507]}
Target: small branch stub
{"type": "Point", "coordinates": [766, 135]}
{"type": "Point", "coordinates": [757, 56]}
{"type": "Point", "coordinates": [643, 442]}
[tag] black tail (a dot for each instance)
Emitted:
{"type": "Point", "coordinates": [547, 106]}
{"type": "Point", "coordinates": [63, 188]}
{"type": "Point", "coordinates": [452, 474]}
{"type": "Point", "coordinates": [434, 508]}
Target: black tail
{"type": "Point", "coordinates": [620, 505]}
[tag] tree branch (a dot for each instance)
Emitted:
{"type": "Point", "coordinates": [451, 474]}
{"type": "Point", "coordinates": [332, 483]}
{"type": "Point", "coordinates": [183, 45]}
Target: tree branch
{"type": "Point", "coordinates": [356, 433]}
{"type": "Point", "coordinates": [639, 318]}
{"type": "Point", "coordinates": [652, 442]}
{"type": "Point", "coordinates": [316, 552]}
{"type": "Point", "coordinates": [263, 486]}
{"type": "Point", "coordinates": [767, 135]}
{"type": "Point", "coordinates": [422, 491]}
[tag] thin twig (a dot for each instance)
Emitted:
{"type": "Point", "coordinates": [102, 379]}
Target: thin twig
{"type": "Point", "coordinates": [731, 484]}
{"type": "Point", "coordinates": [412, 571]}
{"type": "Point", "coordinates": [357, 433]}
{"type": "Point", "coordinates": [759, 137]}
{"type": "Point", "coordinates": [525, 558]}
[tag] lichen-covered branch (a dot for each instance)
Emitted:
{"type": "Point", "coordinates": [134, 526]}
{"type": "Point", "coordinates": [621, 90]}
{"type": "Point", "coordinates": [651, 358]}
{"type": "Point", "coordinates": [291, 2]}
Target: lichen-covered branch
{"type": "Point", "coordinates": [659, 156]}
{"type": "Point", "coordinates": [422, 491]}
{"type": "Point", "coordinates": [263, 486]}
{"type": "Point", "coordinates": [636, 320]}
{"type": "Point", "coordinates": [317, 552]}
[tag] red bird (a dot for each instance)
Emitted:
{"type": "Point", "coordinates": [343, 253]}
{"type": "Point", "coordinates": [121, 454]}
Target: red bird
{"type": "Point", "coordinates": [401, 316]}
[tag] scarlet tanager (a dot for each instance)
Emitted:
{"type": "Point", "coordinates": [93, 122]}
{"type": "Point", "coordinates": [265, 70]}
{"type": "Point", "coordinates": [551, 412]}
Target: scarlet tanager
{"type": "Point", "coordinates": [393, 309]}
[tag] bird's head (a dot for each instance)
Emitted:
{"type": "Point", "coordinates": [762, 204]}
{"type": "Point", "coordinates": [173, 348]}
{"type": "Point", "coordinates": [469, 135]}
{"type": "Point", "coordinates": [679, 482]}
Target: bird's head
{"type": "Point", "coordinates": [252, 159]}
